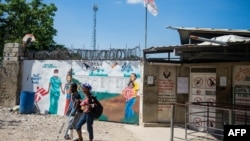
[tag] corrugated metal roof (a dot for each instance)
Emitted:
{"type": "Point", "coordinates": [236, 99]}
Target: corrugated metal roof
{"type": "Point", "coordinates": [207, 33]}
{"type": "Point", "coordinates": [229, 48]}
{"type": "Point", "coordinates": [210, 29]}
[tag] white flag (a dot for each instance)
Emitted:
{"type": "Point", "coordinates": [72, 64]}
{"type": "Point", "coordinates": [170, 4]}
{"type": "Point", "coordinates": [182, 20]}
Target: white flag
{"type": "Point", "coordinates": [151, 6]}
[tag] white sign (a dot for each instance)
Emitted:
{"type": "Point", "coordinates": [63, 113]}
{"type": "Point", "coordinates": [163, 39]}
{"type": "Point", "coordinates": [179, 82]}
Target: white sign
{"type": "Point", "coordinates": [202, 89]}
{"type": "Point", "coordinates": [223, 81]}
{"type": "Point", "coordinates": [150, 80]}
{"type": "Point", "coordinates": [182, 85]}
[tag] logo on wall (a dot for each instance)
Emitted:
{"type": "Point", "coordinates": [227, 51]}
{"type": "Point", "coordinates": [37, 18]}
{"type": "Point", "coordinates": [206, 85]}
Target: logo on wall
{"type": "Point", "coordinates": [198, 99]}
{"type": "Point", "coordinates": [166, 74]}
{"type": "Point", "coordinates": [91, 65]}
{"type": "Point", "coordinates": [40, 92]}
{"type": "Point", "coordinates": [198, 82]}
{"type": "Point", "coordinates": [197, 121]}
{"type": "Point", "coordinates": [126, 67]}
{"type": "Point", "coordinates": [35, 78]}
{"type": "Point", "coordinates": [211, 123]}
{"type": "Point", "coordinates": [198, 92]}
{"type": "Point", "coordinates": [242, 74]}
{"type": "Point", "coordinates": [49, 66]}
{"type": "Point", "coordinates": [211, 82]}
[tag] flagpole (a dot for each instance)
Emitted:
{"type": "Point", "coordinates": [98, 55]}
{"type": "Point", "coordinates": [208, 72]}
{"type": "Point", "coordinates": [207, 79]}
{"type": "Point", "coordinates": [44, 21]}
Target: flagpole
{"type": "Point", "coordinates": [146, 23]}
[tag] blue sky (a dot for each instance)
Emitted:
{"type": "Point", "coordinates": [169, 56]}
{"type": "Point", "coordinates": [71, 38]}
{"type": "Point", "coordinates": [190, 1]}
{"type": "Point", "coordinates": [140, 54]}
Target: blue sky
{"type": "Point", "coordinates": [121, 23]}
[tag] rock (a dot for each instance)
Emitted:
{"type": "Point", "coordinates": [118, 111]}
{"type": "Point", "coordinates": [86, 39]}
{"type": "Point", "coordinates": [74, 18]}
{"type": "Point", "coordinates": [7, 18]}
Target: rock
{"type": "Point", "coordinates": [16, 108]}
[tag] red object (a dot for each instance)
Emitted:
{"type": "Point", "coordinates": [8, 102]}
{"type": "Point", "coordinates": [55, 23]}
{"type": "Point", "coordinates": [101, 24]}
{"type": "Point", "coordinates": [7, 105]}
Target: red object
{"type": "Point", "coordinates": [128, 93]}
{"type": "Point", "coordinates": [66, 106]}
{"type": "Point", "coordinates": [40, 93]}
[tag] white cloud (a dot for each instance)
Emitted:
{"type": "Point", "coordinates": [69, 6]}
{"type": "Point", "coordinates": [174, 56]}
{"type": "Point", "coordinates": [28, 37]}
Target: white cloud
{"type": "Point", "coordinates": [134, 1]}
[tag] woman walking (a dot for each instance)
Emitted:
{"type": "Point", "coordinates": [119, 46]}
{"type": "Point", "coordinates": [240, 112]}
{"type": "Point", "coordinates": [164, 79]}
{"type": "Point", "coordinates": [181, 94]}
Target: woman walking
{"type": "Point", "coordinates": [87, 104]}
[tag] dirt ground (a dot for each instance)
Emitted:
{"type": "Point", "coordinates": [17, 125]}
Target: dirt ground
{"type": "Point", "coordinates": [32, 127]}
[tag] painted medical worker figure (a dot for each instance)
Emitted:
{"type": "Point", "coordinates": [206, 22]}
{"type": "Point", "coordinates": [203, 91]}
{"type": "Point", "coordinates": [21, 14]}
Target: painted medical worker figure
{"type": "Point", "coordinates": [55, 84]}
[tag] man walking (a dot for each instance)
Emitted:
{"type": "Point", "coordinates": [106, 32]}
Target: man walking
{"type": "Point", "coordinates": [71, 112]}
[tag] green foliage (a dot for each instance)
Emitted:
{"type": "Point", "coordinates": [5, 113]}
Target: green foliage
{"type": "Point", "coordinates": [20, 17]}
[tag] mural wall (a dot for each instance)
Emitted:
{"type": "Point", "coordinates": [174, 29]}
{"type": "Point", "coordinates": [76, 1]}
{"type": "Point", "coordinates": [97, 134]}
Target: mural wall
{"type": "Point", "coordinates": [108, 79]}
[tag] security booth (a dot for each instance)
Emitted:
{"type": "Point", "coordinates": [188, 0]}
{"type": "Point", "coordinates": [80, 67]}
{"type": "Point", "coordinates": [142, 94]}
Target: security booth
{"type": "Point", "coordinates": [207, 78]}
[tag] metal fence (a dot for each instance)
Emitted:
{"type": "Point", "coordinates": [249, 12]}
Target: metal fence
{"type": "Point", "coordinates": [224, 114]}
{"type": "Point", "coordinates": [111, 54]}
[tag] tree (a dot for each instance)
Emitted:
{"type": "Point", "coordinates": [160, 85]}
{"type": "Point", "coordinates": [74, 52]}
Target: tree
{"type": "Point", "coordinates": [2, 26]}
{"type": "Point", "coordinates": [18, 17]}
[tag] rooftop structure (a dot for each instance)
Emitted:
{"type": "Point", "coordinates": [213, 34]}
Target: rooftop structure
{"type": "Point", "coordinates": [204, 45]}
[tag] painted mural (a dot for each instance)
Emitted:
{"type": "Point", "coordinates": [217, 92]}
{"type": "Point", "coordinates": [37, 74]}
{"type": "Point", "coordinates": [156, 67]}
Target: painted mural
{"type": "Point", "coordinates": [110, 80]}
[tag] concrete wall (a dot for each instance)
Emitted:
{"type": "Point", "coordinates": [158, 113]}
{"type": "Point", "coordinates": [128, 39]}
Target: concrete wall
{"type": "Point", "coordinates": [150, 99]}
{"type": "Point", "coordinates": [224, 94]}
{"type": "Point", "coordinates": [10, 75]}
{"type": "Point", "coordinates": [152, 112]}
{"type": "Point", "coordinates": [157, 98]}
{"type": "Point", "coordinates": [182, 98]}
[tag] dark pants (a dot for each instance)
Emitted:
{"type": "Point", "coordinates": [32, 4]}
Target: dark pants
{"type": "Point", "coordinates": [86, 117]}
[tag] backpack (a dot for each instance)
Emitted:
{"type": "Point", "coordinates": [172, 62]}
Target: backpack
{"type": "Point", "coordinates": [97, 109]}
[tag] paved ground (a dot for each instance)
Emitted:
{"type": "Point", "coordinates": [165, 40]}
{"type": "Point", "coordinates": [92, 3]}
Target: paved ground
{"type": "Point", "coordinates": [22, 127]}
{"type": "Point", "coordinates": [164, 134]}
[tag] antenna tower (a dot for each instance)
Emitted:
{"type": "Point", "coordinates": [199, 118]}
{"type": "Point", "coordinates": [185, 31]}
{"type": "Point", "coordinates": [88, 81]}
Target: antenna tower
{"type": "Point", "coordinates": [95, 9]}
